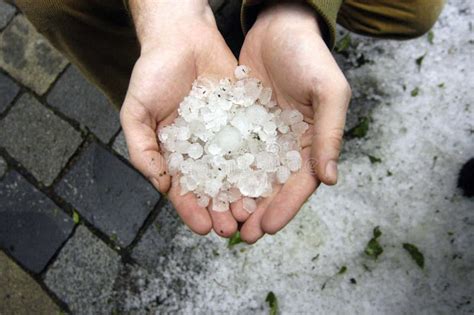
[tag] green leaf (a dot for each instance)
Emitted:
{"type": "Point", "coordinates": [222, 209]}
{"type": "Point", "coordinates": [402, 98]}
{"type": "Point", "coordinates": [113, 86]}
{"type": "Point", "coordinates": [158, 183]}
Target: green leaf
{"type": "Point", "coordinates": [361, 129]}
{"type": "Point", "coordinates": [419, 61]}
{"type": "Point", "coordinates": [235, 239]}
{"type": "Point", "coordinates": [373, 248]}
{"type": "Point", "coordinates": [374, 159]}
{"type": "Point", "coordinates": [114, 237]}
{"type": "Point", "coordinates": [343, 44]}
{"type": "Point", "coordinates": [272, 303]}
{"type": "Point", "coordinates": [415, 254]}
{"type": "Point", "coordinates": [342, 270]}
{"type": "Point", "coordinates": [75, 217]}
{"type": "Point", "coordinates": [415, 92]}
{"type": "Point", "coordinates": [430, 37]}
{"type": "Point", "coordinates": [377, 233]}
{"type": "Point", "coordinates": [441, 85]}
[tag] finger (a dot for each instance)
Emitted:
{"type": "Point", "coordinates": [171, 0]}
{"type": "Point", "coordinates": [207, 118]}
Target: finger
{"type": "Point", "coordinates": [289, 200]}
{"type": "Point", "coordinates": [223, 223]}
{"type": "Point", "coordinates": [195, 217]}
{"type": "Point", "coordinates": [238, 211]}
{"type": "Point", "coordinates": [139, 128]}
{"type": "Point", "coordinates": [252, 230]}
{"type": "Point", "coordinates": [330, 107]}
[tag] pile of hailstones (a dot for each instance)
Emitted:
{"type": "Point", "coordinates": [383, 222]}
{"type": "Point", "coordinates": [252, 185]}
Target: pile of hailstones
{"type": "Point", "coordinates": [230, 142]}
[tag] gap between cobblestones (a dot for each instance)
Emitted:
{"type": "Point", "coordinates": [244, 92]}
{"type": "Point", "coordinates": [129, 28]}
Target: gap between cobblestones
{"type": "Point", "coordinates": [113, 138]}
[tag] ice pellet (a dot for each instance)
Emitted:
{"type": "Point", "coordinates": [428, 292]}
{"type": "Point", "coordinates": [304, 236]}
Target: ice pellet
{"type": "Point", "coordinates": [249, 204]}
{"type": "Point", "coordinates": [230, 141]}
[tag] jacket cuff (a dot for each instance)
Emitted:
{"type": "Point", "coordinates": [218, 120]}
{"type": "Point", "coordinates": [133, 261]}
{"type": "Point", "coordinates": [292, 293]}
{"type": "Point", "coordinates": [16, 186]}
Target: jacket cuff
{"type": "Point", "coordinates": [327, 11]}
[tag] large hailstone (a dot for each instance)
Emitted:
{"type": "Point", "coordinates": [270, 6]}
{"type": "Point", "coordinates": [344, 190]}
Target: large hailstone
{"type": "Point", "coordinates": [231, 142]}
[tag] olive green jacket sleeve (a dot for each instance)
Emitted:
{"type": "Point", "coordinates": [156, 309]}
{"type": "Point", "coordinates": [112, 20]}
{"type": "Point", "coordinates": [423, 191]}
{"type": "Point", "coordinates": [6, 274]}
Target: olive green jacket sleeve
{"type": "Point", "coordinates": [327, 10]}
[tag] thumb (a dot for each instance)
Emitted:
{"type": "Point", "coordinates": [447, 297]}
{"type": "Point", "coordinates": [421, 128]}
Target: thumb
{"type": "Point", "coordinates": [330, 107]}
{"type": "Point", "coordinates": [140, 134]}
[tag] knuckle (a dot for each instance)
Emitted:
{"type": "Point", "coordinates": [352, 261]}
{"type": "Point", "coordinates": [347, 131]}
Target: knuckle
{"type": "Point", "coordinates": [326, 87]}
{"type": "Point", "coordinates": [347, 90]}
{"type": "Point", "coordinates": [319, 85]}
{"type": "Point", "coordinates": [335, 142]}
{"type": "Point", "coordinates": [330, 139]}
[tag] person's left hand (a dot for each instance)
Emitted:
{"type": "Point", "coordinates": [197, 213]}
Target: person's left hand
{"type": "Point", "coordinates": [285, 49]}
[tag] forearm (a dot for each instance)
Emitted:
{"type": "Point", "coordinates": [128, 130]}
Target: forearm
{"type": "Point", "coordinates": [152, 16]}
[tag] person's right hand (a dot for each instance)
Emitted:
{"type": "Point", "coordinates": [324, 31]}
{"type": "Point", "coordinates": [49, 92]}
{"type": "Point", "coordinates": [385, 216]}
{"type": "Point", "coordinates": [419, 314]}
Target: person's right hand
{"type": "Point", "coordinates": [179, 42]}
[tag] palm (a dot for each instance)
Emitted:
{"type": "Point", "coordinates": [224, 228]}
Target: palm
{"type": "Point", "coordinates": [161, 78]}
{"type": "Point", "coordinates": [285, 50]}
{"type": "Point", "coordinates": [286, 78]}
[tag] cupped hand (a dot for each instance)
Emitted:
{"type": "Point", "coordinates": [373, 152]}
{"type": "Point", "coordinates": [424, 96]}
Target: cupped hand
{"type": "Point", "coordinates": [285, 49]}
{"type": "Point", "coordinates": [178, 44]}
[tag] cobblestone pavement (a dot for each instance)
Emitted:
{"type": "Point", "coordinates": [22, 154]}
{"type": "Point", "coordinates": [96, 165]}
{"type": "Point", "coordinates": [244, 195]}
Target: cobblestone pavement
{"type": "Point", "coordinates": [82, 232]}
{"type": "Point", "coordinates": [71, 206]}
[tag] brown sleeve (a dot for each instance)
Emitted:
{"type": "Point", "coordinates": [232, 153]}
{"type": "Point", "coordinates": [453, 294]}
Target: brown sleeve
{"type": "Point", "coordinates": [388, 18]}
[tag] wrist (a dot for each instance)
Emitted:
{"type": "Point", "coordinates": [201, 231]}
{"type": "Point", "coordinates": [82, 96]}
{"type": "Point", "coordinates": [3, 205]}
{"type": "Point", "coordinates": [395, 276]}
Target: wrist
{"type": "Point", "coordinates": [289, 15]}
{"type": "Point", "coordinates": [159, 21]}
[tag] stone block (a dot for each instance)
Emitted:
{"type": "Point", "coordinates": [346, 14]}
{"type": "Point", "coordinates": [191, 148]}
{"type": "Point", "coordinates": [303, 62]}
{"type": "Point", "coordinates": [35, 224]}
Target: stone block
{"type": "Point", "coordinates": [109, 194]}
{"type": "Point", "coordinates": [38, 139]}
{"type": "Point", "coordinates": [20, 294]}
{"type": "Point", "coordinates": [7, 12]}
{"type": "Point", "coordinates": [32, 227]}
{"type": "Point", "coordinates": [78, 99]}
{"type": "Point", "coordinates": [8, 91]}
{"type": "Point", "coordinates": [29, 57]}
{"type": "Point", "coordinates": [84, 273]}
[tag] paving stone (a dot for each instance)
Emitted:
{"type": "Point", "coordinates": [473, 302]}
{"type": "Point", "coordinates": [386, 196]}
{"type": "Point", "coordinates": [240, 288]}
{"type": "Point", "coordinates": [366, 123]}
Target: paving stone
{"type": "Point", "coordinates": [109, 194]}
{"type": "Point", "coordinates": [74, 96]}
{"type": "Point", "coordinates": [20, 294]}
{"type": "Point", "coordinates": [178, 259]}
{"type": "Point", "coordinates": [7, 12]}
{"type": "Point", "coordinates": [3, 167]}
{"type": "Point", "coordinates": [157, 242]}
{"type": "Point", "coordinates": [29, 57]}
{"type": "Point", "coordinates": [84, 273]}
{"type": "Point", "coordinates": [8, 91]}
{"type": "Point", "coordinates": [120, 146]}
{"type": "Point", "coordinates": [32, 227]}
{"type": "Point", "coordinates": [38, 139]}
{"type": "Point", "coordinates": [167, 238]}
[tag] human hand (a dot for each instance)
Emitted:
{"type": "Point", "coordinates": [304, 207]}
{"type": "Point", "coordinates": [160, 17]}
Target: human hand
{"type": "Point", "coordinates": [284, 49]}
{"type": "Point", "coordinates": [178, 44]}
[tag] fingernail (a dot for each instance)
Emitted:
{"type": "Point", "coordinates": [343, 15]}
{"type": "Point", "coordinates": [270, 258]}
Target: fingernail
{"type": "Point", "coordinates": [331, 171]}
